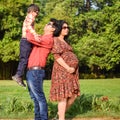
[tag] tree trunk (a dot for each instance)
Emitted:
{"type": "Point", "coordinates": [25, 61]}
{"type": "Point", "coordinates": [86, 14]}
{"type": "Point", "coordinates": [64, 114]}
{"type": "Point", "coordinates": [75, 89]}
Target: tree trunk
{"type": "Point", "coordinates": [88, 4]}
{"type": "Point", "coordinates": [32, 1]}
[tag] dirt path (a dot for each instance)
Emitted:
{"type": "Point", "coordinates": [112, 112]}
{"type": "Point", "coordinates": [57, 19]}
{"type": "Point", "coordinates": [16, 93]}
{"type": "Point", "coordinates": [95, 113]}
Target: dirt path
{"type": "Point", "coordinates": [97, 119]}
{"type": "Point", "coordinates": [108, 118]}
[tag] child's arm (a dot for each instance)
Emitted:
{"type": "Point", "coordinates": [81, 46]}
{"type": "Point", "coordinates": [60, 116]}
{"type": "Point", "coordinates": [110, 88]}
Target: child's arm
{"type": "Point", "coordinates": [30, 26]}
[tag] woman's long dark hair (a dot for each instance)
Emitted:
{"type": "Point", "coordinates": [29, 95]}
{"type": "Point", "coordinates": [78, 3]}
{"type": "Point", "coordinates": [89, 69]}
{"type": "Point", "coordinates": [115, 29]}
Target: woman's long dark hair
{"type": "Point", "coordinates": [59, 29]}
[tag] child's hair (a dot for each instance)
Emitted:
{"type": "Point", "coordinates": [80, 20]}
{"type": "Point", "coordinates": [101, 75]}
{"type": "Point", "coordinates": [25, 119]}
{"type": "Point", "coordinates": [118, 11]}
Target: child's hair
{"type": "Point", "coordinates": [33, 8]}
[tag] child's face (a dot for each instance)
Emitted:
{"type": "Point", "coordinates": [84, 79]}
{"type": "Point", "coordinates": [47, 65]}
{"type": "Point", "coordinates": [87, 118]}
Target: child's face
{"type": "Point", "coordinates": [35, 13]}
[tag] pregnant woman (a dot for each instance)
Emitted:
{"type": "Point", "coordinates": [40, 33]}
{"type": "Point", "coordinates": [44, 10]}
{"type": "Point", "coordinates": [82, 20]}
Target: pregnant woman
{"type": "Point", "coordinates": [65, 76]}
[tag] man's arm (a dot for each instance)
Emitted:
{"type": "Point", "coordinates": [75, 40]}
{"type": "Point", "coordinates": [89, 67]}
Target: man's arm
{"type": "Point", "coordinates": [31, 38]}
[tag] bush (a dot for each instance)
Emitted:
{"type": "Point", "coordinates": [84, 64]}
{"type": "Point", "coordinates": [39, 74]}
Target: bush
{"type": "Point", "coordinates": [91, 76]}
{"type": "Point", "coordinates": [82, 104]}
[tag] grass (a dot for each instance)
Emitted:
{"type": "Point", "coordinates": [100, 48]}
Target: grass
{"type": "Point", "coordinates": [12, 94]}
{"type": "Point", "coordinates": [109, 87]}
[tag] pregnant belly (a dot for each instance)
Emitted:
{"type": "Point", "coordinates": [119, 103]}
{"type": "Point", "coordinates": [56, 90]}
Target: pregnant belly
{"type": "Point", "coordinates": [71, 59]}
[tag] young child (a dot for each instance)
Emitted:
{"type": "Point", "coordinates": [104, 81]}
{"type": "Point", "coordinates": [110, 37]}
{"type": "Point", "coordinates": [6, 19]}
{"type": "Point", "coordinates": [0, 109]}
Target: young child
{"type": "Point", "coordinates": [25, 45]}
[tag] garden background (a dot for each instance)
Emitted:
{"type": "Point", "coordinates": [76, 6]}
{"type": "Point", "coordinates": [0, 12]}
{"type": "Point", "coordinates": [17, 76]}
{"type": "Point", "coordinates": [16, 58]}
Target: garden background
{"type": "Point", "coordinates": [94, 34]}
{"type": "Point", "coordinates": [95, 38]}
{"type": "Point", "coordinates": [99, 99]}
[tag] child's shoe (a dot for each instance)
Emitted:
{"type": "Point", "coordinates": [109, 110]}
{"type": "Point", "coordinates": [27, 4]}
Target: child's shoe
{"type": "Point", "coordinates": [18, 80]}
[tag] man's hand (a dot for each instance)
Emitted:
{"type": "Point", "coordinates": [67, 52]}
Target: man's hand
{"type": "Point", "coordinates": [37, 38]}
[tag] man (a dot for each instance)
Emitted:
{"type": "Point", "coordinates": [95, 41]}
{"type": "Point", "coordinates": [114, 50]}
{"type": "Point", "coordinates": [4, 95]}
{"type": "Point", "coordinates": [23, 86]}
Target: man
{"type": "Point", "coordinates": [36, 72]}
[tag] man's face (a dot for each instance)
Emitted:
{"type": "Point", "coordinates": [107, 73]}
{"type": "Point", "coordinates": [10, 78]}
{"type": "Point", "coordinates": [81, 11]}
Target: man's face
{"type": "Point", "coordinates": [49, 27]}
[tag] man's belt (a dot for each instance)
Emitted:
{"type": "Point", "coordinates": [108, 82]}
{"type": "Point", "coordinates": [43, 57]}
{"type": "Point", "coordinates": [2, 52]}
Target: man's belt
{"type": "Point", "coordinates": [35, 68]}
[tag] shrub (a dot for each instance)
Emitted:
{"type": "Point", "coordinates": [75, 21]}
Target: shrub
{"type": "Point", "coordinates": [82, 104]}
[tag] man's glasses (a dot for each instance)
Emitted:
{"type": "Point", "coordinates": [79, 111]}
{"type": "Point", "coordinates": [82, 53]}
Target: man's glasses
{"type": "Point", "coordinates": [51, 24]}
{"type": "Point", "coordinates": [37, 12]}
{"type": "Point", "coordinates": [65, 27]}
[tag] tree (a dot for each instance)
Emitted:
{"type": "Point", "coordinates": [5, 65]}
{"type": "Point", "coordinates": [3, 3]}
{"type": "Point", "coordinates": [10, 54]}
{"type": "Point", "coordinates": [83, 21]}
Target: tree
{"type": "Point", "coordinates": [99, 45]}
{"type": "Point", "coordinates": [12, 14]}
{"type": "Point", "coordinates": [94, 28]}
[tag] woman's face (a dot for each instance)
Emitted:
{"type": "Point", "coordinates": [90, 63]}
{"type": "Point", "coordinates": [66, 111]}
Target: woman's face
{"type": "Point", "coordinates": [65, 29]}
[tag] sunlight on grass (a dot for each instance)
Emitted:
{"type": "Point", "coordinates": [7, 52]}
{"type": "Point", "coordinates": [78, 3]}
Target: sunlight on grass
{"type": "Point", "coordinates": [109, 87]}
{"type": "Point", "coordinates": [11, 92]}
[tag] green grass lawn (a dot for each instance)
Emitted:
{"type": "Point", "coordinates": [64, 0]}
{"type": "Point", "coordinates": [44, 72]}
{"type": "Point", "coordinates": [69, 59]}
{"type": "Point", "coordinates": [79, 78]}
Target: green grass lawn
{"type": "Point", "coordinates": [10, 91]}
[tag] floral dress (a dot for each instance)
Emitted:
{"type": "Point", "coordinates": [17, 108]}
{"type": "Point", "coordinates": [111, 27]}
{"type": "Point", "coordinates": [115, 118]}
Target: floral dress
{"type": "Point", "coordinates": [63, 83]}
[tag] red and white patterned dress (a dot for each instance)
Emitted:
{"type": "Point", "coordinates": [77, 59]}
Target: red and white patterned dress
{"type": "Point", "coordinates": [63, 83]}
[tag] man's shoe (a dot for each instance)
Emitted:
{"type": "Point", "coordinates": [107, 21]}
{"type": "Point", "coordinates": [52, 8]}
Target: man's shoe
{"type": "Point", "coordinates": [18, 80]}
